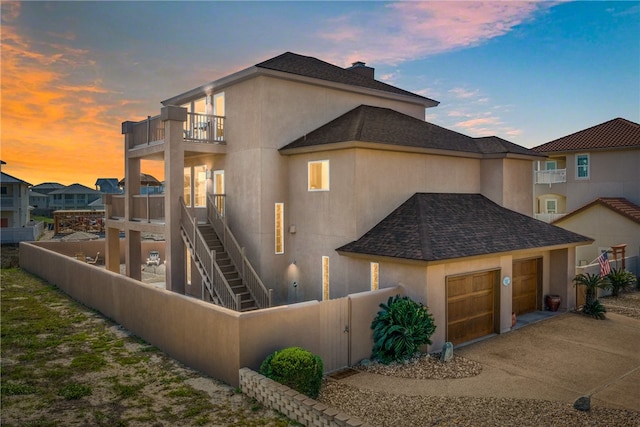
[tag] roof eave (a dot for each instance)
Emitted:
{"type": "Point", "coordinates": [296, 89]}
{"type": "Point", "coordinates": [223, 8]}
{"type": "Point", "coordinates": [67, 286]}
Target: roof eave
{"type": "Point", "coordinates": [343, 145]}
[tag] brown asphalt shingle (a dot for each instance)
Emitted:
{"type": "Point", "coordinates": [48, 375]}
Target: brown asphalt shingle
{"type": "Point", "coordinates": [616, 133]}
{"type": "Point", "coordinates": [385, 126]}
{"type": "Point", "coordinates": [308, 66]}
{"type": "Point", "coordinates": [441, 226]}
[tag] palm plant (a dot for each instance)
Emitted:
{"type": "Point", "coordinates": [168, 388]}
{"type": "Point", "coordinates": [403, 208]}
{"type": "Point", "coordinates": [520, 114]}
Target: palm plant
{"type": "Point", "coordinates": [592, 307]}
{"type": "Point", "coordinates": [619, 280]}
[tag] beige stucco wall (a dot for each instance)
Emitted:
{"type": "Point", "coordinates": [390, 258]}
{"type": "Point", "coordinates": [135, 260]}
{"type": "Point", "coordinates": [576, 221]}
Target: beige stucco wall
{"type": "Point", "coordinates": [613, 173]}
{"type": "Point", "coordinates": [206, 337]}
{"type": "Point", "coordinates": [606, 227]}
{"type": "Point", "coordinates": [262, 115]}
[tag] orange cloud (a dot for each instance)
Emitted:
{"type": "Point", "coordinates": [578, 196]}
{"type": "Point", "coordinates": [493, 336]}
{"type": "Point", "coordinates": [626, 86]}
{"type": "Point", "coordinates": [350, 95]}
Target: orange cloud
{"type": "Point", "coordinates": [57, 124]}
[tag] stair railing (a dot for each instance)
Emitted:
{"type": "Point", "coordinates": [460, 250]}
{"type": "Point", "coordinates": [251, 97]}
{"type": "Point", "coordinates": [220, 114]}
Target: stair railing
{"type": "Point", "coordinates": [262, 296]}
{"type": "Point", "coordinates": [206, 258]}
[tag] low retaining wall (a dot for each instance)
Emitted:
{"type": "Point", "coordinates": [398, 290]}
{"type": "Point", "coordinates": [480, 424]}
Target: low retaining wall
{"type": "Point", "coordinates": [295, 406]}
{"type": "Point", "coordinates": [204, 336]}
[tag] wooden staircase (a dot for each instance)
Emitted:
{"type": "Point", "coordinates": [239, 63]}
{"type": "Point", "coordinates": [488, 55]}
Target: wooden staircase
{"type": "Point", "coordinates": [228, 269]}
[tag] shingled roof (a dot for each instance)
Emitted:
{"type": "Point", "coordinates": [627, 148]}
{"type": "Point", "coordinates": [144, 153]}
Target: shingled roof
{"type": "Point", "coordinates": [442, 226]}
{"type": "Point", "coordinates": [619, 205]}
{"type": "Point", "coordinates": [385, 126]}
{"type": "Point", "coordinates": [308, 66]}
{"type": "Point", "coordinates": [616, 133]}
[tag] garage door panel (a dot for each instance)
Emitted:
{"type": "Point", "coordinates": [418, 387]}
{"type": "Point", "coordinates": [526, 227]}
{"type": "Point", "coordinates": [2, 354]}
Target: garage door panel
{"type": "Point", "coordinates": [470, 306]}
{"type": "Point", "coordinates": [525, 286]}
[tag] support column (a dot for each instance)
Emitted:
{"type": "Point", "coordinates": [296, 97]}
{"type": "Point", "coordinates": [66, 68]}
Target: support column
{"type": "Point", "coordinates": [173, 118]}
{"type": "Point", "coordinates": [112, 248]}
{"type": "Point", "coordinates": [132, 258]}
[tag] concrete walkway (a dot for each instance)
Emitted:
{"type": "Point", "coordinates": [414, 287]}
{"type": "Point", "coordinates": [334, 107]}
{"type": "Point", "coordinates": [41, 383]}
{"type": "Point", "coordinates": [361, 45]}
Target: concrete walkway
{"type": "Point", "coordinates": [558, 359]}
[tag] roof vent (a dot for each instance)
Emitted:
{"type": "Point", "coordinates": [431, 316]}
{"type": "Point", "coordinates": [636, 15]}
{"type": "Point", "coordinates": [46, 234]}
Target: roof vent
{"type": "Point", "coordinates": [362, 69]}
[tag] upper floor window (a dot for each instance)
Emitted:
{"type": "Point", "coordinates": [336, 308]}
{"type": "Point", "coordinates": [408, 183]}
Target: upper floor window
{"type": "Point", "coordinates": [582, 166]}
{"type": "Point", "coordinates": [318, 175]}
{"type": "Point", "coordinates": [551, 165]}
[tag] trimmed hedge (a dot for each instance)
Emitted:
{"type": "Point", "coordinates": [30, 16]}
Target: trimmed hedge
{"type": "Point", "coordinates": [296, 368]}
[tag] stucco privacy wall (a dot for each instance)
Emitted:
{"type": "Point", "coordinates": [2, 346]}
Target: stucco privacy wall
{"type": "Point", "coordinates": [206, 337]}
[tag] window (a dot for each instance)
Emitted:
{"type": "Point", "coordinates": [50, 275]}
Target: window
{"type": "Point", "coordinates": [218, 190]}
{"type": "Point", "coordinates": [279, 228]}
{"type": "Point", "coordinates": [551, 165]}
{"type": "Point", "coordinates": [325, 278]}
{"type": "Point", "coordinates": [218, 111]}
{"type": "Point", "coordinates": [319, 175]}
{"type": "Point", "coordinates": [552, 205]}
{"type": "Point", "coordinates": [187, 187]}
{"type": "Point", "coordinates": [582, 166]}
{"type": "Point", "coordinates": [200, 186]}
{"type": "Point", "coordinates": [375, 269]}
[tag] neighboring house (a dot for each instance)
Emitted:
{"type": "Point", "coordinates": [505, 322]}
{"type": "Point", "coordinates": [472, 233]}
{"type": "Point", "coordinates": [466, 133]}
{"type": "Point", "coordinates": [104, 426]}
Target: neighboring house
{"type": "Point", "coordinates": [39, 198]}
{"type": "Point", "coordinates": [148, 185]}
{"type": "Point", "coordinates": [333, 184]}
{"type": "Point", "coordinates": [74, 196]}
{"type": "Point", "coordinates": [108, 186]}
{"type": "Point", "coordinates": [601, 161]}
{"type": "Point", "coordinates": [589, 178]}
{"type": "Point", "coordinates": [15, 220]}
{"type": "Point", "coordinates": [610, 221]}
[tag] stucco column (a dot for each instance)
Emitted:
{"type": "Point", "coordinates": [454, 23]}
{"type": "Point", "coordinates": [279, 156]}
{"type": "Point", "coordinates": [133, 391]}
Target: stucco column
{"type": "Point", "coordinates": [173, 118]}
{"type": "Point", "coordinates": [112, 249]}
{"type": "Point", "coordinates": [133, 259]}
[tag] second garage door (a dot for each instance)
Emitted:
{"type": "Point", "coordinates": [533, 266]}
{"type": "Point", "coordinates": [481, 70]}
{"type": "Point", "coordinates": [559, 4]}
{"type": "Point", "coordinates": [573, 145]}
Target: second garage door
{"type": "Point", "coordinates": [471, 306]}
{"type": "Point", "coordinates": [525, 286]}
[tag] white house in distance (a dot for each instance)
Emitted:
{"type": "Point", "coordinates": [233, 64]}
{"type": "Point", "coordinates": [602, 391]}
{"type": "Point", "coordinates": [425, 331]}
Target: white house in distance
{"type": "Point", "coordinates": [296, 180]}
{"type": "Point", "coordinates": [590, 184]}
{"type": "Point", "coordinates": [15, 219]}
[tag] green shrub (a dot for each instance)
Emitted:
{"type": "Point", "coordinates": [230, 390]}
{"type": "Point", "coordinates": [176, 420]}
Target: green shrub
{"type": "Point", "coordinates": [594, 309]}
{"type": "Point", "coordinates": [296, 368]}
{"type": "Point", "coordinates": [400, 328]}
{"type": "Point", "coordinates": [619, 280]}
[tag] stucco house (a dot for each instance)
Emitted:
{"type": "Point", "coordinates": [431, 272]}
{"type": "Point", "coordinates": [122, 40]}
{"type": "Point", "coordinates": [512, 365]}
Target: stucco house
{"type": "Point", "coordinates": [74, 196]}
{"type": "Point", "coordinates": [15, 217]}
{"type": "Point", "coordinates": [296, 180]}
{"type": "Point", "coordinates": [588, 183]}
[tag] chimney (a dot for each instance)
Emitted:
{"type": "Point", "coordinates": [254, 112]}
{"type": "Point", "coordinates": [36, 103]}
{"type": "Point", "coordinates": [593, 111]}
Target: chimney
{"type": "Point", "coordinates": [362, 69]}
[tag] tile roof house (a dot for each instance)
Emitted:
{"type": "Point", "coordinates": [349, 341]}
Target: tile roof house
{"type": "Point", "coordinates": [586, 171]}
{"type": "Point", "coordinates": [295, 180]}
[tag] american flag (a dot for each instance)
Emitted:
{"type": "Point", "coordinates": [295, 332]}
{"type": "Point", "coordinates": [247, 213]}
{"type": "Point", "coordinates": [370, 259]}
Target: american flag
{"type": "Point", "coordinates": [605, 267]}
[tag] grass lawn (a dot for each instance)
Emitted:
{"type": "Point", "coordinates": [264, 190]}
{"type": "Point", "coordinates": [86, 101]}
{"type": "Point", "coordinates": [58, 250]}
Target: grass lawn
{"type": "Point", "coordinates": [64, 365]}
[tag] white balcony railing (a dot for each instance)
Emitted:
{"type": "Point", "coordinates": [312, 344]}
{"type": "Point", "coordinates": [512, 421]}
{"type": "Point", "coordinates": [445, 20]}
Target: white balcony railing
{"type": "Point", "coordinates": [554, 176]}
{"type": "Point", "coordinates": [549, 217]}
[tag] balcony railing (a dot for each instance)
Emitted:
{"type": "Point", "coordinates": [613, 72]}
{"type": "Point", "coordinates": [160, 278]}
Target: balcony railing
{"type": "Point", "coordinates": [145, 207]}
{"type": "Point", "coordinates": [147, 131]}
{"type": "Point", "coordinates": [549, 217]}
{"type": "Point", "coordinates": [554, 176]}
{"type": "Point", "coordinates": [204, 128]}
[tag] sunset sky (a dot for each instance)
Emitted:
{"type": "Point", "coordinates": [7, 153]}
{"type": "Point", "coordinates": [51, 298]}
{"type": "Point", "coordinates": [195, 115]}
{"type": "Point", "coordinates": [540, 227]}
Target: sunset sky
{"type": "Point", "coordinates": [72, 72]}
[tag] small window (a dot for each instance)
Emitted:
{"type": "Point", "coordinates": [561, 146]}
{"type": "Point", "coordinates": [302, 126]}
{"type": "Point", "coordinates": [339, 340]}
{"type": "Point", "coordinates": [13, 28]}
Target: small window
{"type": "Point", "coordinates": [551, 165]}
{"type": "Point", "coordinates": [187, 187]}
{"type": "Point", "coordinates": [552, 206]}
{"type": "Point", "coordinates": [279, 228]}
{"type": "Point", "coordinates": [582, 166]}
{"type": "Point", "coordinates": [325, 278]}
{"type": "Point", "coordinates": [319, 175]}
{"type": "Point", "coordinates": [375, 269]}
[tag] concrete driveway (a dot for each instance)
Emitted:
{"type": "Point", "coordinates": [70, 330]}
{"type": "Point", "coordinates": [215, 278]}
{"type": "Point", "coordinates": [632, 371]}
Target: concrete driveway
{"type": "Point", "coordinates": [558, 359]}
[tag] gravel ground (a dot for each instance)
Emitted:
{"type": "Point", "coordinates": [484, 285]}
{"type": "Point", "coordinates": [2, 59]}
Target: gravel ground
{"type": "Point", "coordinates": [386, 409]}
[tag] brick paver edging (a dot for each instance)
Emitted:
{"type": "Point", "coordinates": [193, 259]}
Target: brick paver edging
{"type": "Point", "coordinates": [293, 405]}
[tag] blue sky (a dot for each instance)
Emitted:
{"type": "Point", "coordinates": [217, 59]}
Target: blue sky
{"type": "Point", "coordinates": [527, 72]}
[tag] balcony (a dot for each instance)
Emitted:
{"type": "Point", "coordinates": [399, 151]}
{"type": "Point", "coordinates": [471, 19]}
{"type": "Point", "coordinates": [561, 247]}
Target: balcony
{"type": "Point", "coordinates": [554, 176]}
{"type": "Point", "coordinates": [549, 217]}
{"type": "Point", "coordinates": [202, 128]}
{"type": "Point", "coordinates": [144, 207]}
